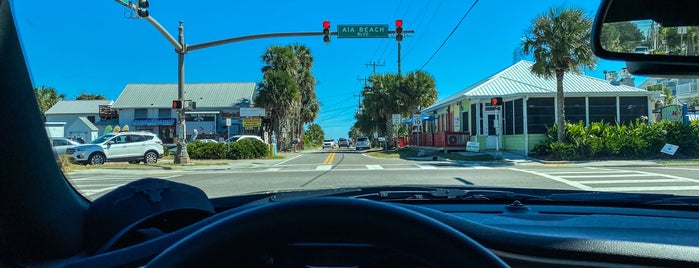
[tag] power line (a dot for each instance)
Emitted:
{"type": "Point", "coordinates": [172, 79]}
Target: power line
{"type": "Point", "coordinates": [450, 34]}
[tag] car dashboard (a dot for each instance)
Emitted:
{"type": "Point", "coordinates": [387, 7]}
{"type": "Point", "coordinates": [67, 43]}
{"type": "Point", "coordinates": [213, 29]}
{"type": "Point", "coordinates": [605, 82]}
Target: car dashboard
{"type": "Point", "coordinates": [520, 234]}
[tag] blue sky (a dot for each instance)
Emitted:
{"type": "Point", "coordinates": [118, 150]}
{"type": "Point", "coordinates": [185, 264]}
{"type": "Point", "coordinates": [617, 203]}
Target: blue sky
{"type": "Point", "coordinates": [94, 48]}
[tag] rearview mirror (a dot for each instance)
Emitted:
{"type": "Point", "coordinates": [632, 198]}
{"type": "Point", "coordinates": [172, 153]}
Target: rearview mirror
{"type": "Point", "coordinates": [647, 31]}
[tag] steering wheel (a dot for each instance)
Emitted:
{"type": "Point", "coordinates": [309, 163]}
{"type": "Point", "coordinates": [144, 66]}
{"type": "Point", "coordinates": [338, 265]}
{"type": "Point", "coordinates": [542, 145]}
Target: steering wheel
{"type": "Point", "coordinates": [244, 236]}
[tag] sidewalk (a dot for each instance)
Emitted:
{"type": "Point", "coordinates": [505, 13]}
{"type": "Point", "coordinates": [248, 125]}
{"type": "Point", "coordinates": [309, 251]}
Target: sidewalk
{"type": "Point", "coordinates": [519, 159]}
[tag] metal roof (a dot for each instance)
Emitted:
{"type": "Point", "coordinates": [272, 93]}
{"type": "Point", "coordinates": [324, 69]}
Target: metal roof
{"type": "Point", "coordinates": [206, 95]}
{"type": "Point", "coordinates": [517, 80]}
{"type": "Point", "coordinates": [77, 107]}
{"type": "Point", "coordinates": [87, 123]}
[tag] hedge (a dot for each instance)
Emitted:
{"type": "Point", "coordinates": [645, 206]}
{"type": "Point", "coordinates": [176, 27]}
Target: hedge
{"type": "Point", "coordinates": [242, 149]}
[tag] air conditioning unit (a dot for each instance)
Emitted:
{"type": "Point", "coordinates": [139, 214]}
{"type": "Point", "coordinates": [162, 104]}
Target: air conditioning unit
{"type": "Point", "coordinates": [453, 139]}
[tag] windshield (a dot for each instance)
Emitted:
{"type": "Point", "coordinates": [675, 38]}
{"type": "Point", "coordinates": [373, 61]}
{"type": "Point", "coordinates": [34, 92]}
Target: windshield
{"type": "Point", "coordinates": [428, 93]}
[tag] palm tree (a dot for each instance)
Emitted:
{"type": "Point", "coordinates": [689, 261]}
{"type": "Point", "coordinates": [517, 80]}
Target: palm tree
{"type": "Point", "coordinates": [309, 106]}
{"type": "Point", "coordinates": [47, 97]}
{"type": "Point", "coordinates": [559, 40]}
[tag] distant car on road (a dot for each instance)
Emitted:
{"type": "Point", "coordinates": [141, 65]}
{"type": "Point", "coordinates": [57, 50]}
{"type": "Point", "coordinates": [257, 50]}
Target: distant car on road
{"type": "Point", "coordinates": [363, 143]}
{"type": "Point", "coordinates": [242, 137]}
{"type": "Point", "coordinates": [641, 50]}
{"type": "Point", "coordinates": [343, 142]}
{"type": "Point", "coordinates": [60, 145]}
{"type": "Point", "coordinates": [329, 143]}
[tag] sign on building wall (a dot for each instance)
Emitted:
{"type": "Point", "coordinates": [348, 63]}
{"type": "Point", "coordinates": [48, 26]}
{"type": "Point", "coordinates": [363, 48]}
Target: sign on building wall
{"type": "Point", "coordinates": [252, 112]}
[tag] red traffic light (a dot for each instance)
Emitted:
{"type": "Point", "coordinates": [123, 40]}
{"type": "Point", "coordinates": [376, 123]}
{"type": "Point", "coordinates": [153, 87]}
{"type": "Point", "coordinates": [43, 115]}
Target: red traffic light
{"type": "Point", "coordinates": [326, 31]}
{"type": "Point", "coordinates": [399, 23]}
{"type": "Point", "coordinates": [176, 104]}
{"type": "Point", "coordinates": [497, 101]}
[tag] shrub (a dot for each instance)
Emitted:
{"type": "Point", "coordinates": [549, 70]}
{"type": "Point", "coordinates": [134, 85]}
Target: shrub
{"type": "Point", "coordinates": [638, 139]}
{"type": "Point", "coordinates": [201, 150]}
{"type": "Point", "coordinates": [248, 149]}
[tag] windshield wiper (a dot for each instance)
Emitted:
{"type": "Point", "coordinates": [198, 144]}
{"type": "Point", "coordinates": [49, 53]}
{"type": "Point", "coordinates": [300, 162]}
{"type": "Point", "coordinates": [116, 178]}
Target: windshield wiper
{"type": "Point", "coordinates": [449, 194]}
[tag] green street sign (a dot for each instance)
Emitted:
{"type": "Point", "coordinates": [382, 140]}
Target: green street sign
{"type": "Point", "coordinates": [362, 31]}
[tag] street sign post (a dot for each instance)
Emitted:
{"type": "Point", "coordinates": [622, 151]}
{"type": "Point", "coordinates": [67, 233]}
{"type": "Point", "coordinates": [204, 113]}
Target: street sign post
{"type": "Point", "coordinates": [362, 31]}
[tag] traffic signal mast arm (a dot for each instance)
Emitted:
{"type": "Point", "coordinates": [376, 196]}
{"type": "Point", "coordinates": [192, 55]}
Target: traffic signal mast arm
{"type": "Point", "coordinates": [155, 24]}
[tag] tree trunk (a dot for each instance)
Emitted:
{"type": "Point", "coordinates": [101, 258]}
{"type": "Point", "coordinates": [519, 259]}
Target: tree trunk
{"type": "Point", "coordinates": [560, 100]}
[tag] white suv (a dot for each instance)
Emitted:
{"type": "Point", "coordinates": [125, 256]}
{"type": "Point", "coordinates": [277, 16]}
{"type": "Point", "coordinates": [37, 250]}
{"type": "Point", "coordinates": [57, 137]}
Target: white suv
{"type": "Point", "coordinates": [133, 147]}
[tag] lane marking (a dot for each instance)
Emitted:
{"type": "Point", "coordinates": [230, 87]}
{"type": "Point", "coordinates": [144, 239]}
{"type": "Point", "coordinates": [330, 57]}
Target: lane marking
{"type": "Point", "coordinates": [649, 188]}
{"type": "Point", "coordinates": [374, 167]}
{"type": "Point", "coordinates": [324, 167]}
{"type": "Point", "coordinates": [421, 166]}
{"type": "Point", "coordinates": [330, 158]}
{"type": "Point", "coordinates": [272, 169]}
{"type": "Point", "coordinates": [587, 172]}
{"type": "Point", "coordinates": [282, 162]}
{"type": "Point", "coordinates": [561, 180]}
{"type": "Point", "coordinates": [629, 181]}
{"type": "Point", "coordinates": [609, 176]}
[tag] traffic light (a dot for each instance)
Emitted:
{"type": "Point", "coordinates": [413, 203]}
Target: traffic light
{"type": "Point", "coordinates": [496, 101]}
{"type": "Point", "coordinates": [399, 30]}
{"type": "Point", "coordinates": [142, 8]}
{"type": "Point", "coordinates": [326, 31]}
{"type": "Point", "coordinates": [177, 104]}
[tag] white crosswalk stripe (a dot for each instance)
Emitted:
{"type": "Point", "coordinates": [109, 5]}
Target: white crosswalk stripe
{"type": "Point", "coordinates": [606, 179]}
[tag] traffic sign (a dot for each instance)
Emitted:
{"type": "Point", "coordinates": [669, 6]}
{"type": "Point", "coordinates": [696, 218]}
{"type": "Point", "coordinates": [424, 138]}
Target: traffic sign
{"type": "Point", "coordinates": [417, 120]}
{"type": "Point", "coordinates": [396, 119]}
{"type": "Point", "coordinates": [362, 31]}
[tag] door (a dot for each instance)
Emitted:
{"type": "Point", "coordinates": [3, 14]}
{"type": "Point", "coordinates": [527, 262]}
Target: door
{"type": "Point", "coordinates": [493, 127]}
{"type": "Point", "coordinates": [167, 134]}
{"type": "Point", "coordinates": [117, 147]}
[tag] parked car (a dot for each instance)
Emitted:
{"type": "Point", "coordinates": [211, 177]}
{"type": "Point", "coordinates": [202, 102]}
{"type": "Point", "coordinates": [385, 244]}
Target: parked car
{"type": "Point", "coordinates": [60, 145]}
{"type": "Point", "coordinates": [328, 143]}
{"type": "Point", "coordinates": [133, 147]}
{"type": "Point", "coordinates": [363, 143]}
{"type": "Point", "coordinates": [343, 142]}
{"type": "Point", "coordinates": [206, 140]}
{"type": "Point", "coordinates": [242, 137]}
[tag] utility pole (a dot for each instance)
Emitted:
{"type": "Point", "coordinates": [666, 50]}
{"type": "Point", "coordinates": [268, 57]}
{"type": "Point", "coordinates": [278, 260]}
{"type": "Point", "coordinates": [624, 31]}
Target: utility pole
{"type": "Point", "coordinates": [182, 156]}
{"type": "Point", "coordinates": [373, 64]}
{"type": "Point", "coordinates": [399, 73]}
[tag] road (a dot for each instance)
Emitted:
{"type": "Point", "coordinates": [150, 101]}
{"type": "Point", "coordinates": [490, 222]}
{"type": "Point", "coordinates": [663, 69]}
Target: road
{"type": "Point", "coordinates": [332, 168]}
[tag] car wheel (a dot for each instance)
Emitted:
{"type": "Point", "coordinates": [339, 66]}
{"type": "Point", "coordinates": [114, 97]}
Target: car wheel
{"type": "Point", "coordinates": [150, 158]}
{"type": "Point", "coordinates": [96, 159]}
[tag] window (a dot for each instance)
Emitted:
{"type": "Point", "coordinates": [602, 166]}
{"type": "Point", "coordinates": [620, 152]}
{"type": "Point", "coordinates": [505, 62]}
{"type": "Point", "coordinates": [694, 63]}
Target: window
{"type": "Point", "coordinates": [519, 116]}
{"type": "Point", "coordinates": [508, 115]}
{"type": "Point", "coordinates": [631, 108]}
{"type": "Point", "coordinates": [575, 110]}
{"type": "Point", "coordinates": [473, 120]}
{"type": "Point", "coordinates": [140, 114]}
{"type": "Point", "coordinates": [136, 138]}
{"type": "Point", "coordinates": [464, 121]}
{"type": "Point", "coordinates": [540, 115]}
{"type": "Point", "coordinates": [164, 113]}
{"type": "Point", "coordinates": [121, 139]}
{"type": "Point", "coordinates": [91, 118]}
{"type": "Point", "coordinates": [603, 109]}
